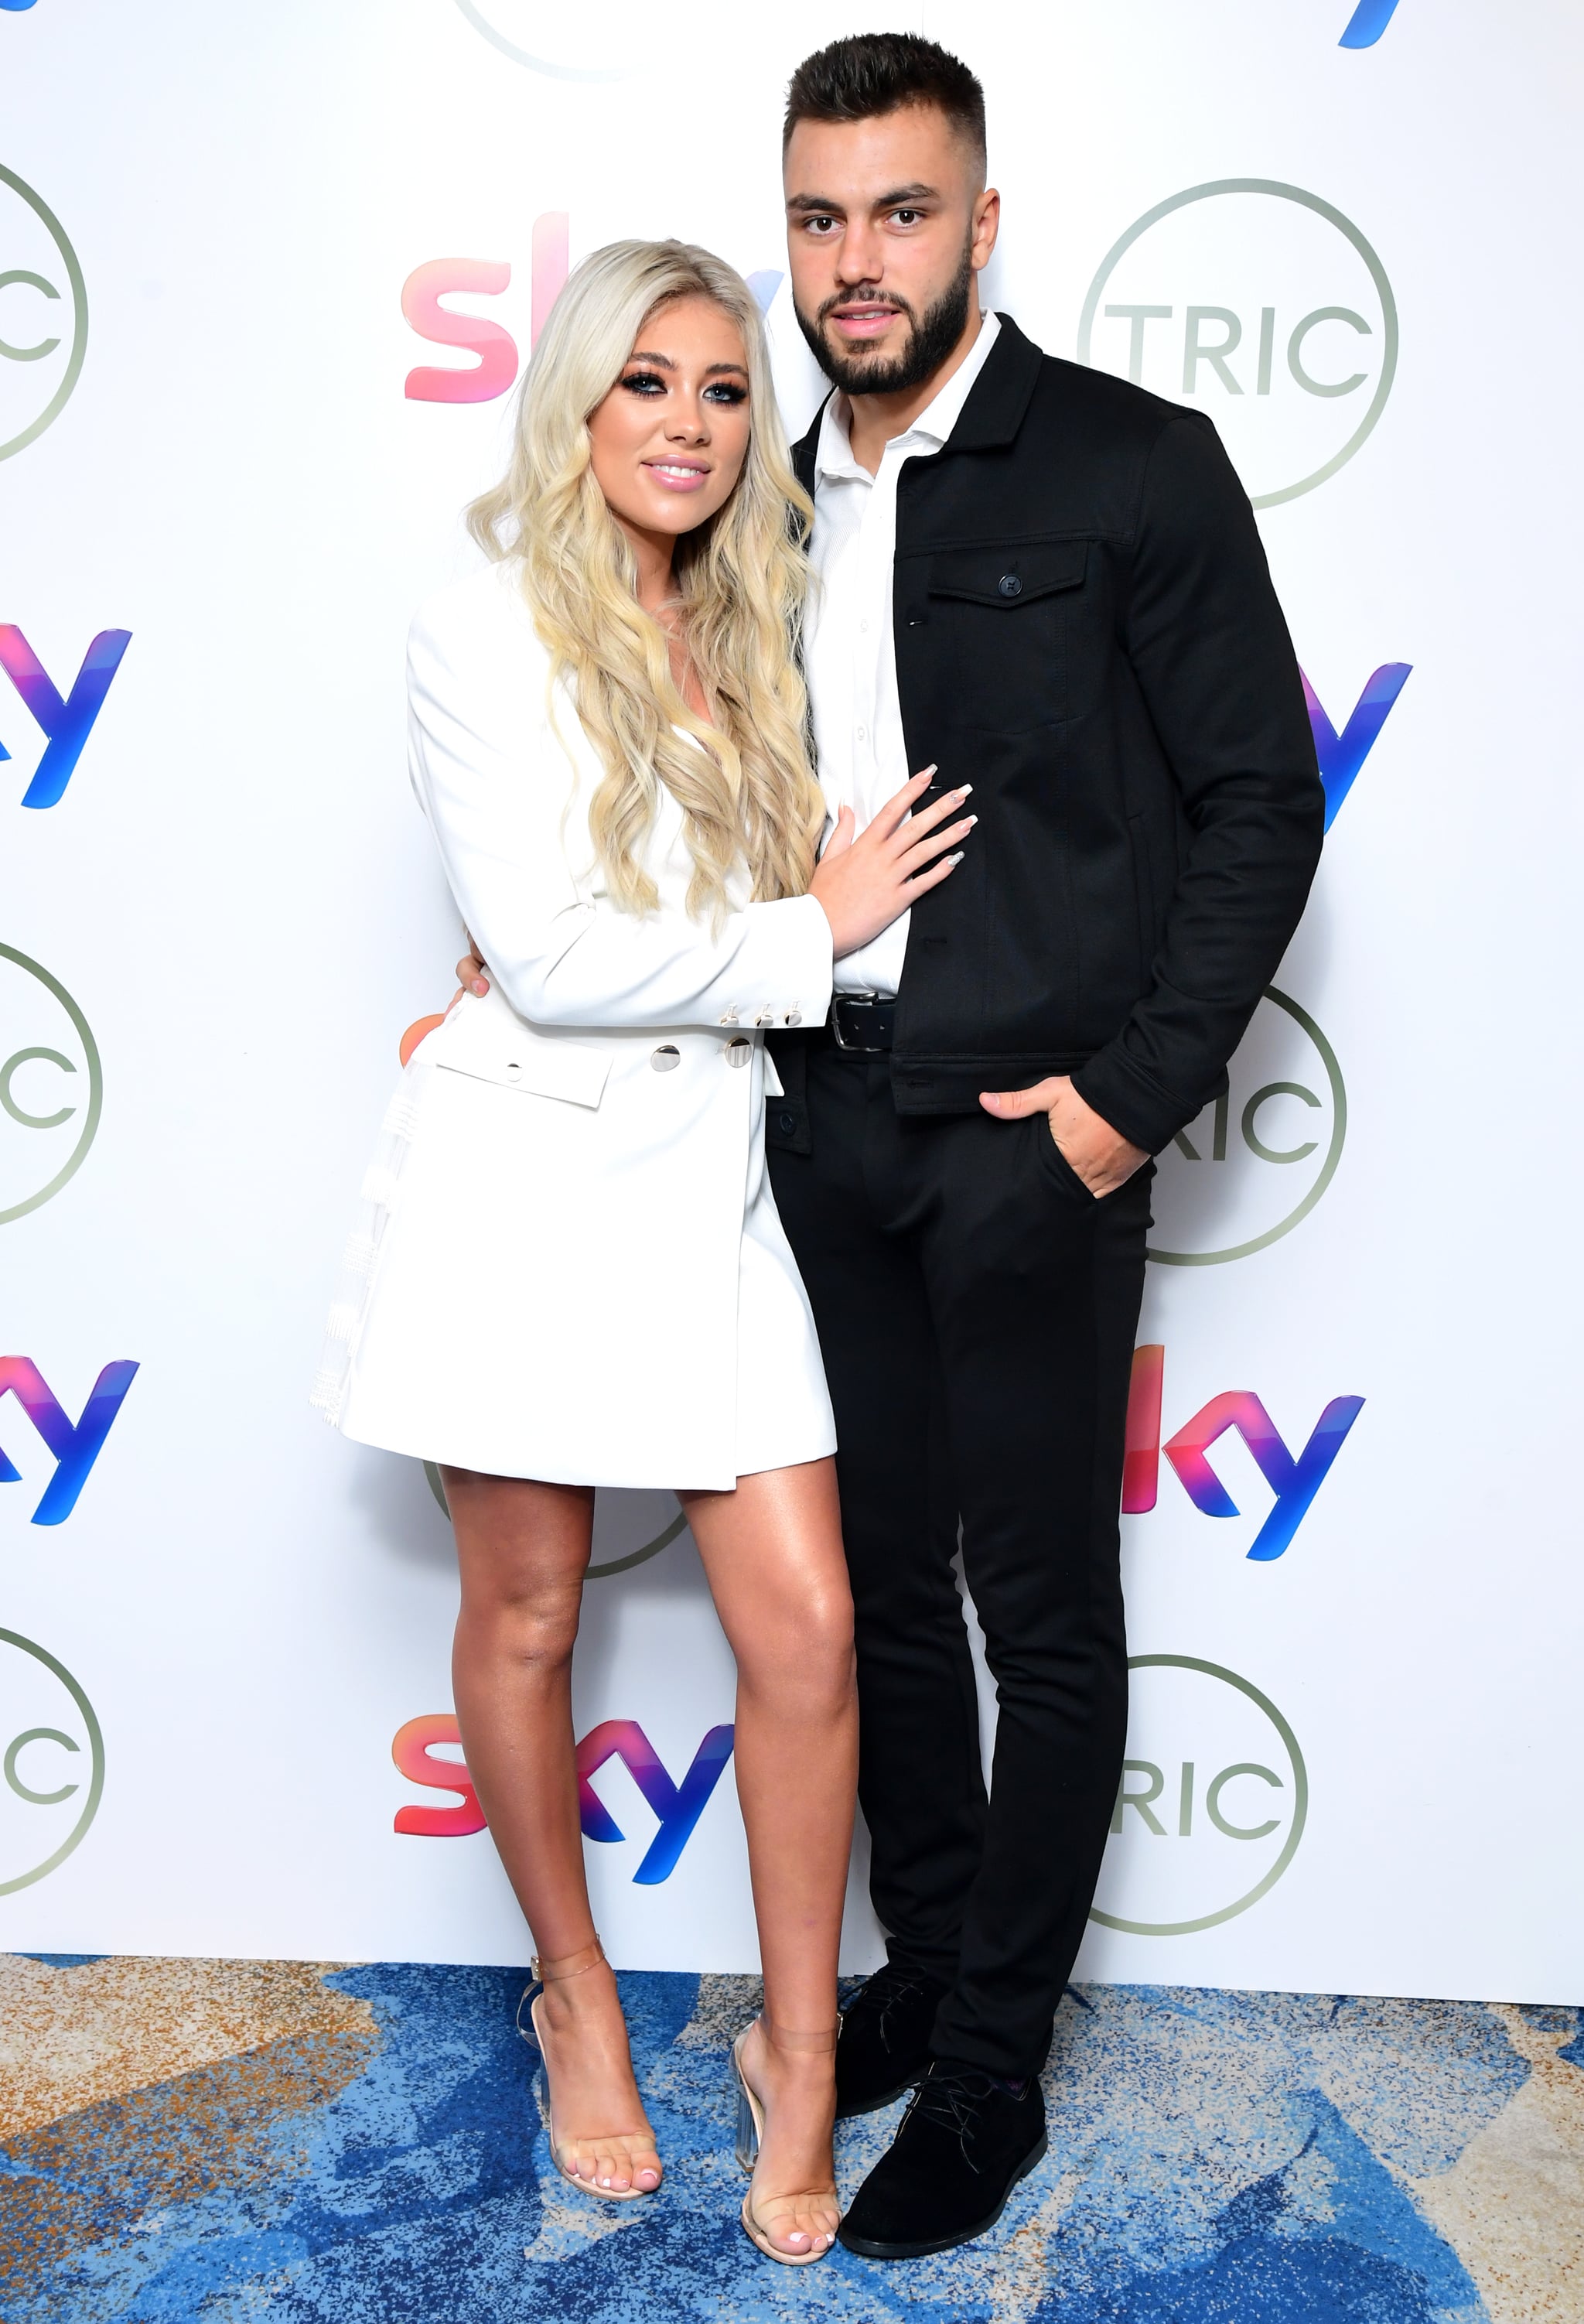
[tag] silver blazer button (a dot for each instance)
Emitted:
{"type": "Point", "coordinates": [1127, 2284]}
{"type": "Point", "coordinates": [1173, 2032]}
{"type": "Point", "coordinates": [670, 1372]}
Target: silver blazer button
{"type": "Point", "coordinates": [738, 1052]}
{"type": "Point", "coordinates": [666, 1058]}
{"type": "Point", "coordinates": [793, 1017]}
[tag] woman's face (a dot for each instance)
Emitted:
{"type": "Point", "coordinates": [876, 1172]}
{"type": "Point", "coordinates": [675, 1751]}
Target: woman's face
{"type": "Point", "coordinates": [671, 437]}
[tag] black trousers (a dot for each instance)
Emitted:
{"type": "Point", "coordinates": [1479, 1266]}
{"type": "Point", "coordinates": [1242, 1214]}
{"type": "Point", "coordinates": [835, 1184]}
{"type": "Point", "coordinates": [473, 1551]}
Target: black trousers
{"type": "Point", "coordinates": [976, 1308]}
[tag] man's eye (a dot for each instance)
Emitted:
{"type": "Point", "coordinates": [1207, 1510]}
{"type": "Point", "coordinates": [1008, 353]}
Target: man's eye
{"type": "Point", "coordinates": [644, 383]}
{"type": "Point", "coordinates": [907, 218]}
{"type": "Point", "coordinates": [819, 224]}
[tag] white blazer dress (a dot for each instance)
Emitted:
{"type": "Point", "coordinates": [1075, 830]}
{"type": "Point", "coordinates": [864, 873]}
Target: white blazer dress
{"type": "Point", "coordinates": [568, 1263]}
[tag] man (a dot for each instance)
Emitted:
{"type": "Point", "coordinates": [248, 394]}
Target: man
{"type": "Point", "coordinates": [1050, 585]}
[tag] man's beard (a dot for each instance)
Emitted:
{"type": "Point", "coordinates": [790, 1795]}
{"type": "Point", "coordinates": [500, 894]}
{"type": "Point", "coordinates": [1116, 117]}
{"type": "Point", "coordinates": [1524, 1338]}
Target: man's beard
{"type": "Point", "coordinates": [930, 341]}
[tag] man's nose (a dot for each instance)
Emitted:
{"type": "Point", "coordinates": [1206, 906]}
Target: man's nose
{"type": "Point", "coordinates": [861, 260]}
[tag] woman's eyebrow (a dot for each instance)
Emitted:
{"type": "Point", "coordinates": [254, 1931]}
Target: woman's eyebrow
{"type": "Point", "coordinates": [642, 354]}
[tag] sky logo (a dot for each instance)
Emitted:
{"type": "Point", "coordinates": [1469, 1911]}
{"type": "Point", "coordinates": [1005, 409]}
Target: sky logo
{"type": "Point", "coordinates": [676, 1806]}
{"type": "Point", "coordinates": [1367, 22]}
{"type": "Point", "coordinates": [1295, 1482]}
{"type": "Point", "coordinates": [1341, 755]}
{"type": "Point", "coordinates": [15, 7]}
{"type": "Point", "coordinates": [74, 1444]}
{"type": "Point", "coordinates": [478, 335]}
{"type": "Point", "coordinates": [66, 721]}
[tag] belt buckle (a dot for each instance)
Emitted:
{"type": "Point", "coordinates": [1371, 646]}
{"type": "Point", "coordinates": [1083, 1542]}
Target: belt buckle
{"type": "Point", "coordinates": [839, 1000]}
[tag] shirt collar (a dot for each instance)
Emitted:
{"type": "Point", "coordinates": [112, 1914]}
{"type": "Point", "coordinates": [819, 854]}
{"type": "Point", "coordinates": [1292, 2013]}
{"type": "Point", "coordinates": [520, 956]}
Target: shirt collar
{"type": "Point", "coordinates": [833, 455]}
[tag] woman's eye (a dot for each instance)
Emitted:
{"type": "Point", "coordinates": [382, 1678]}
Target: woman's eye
{"type": "Point", "coordinates": [644, 383]}
{"type": "Point", "coordinates": [725, 391]}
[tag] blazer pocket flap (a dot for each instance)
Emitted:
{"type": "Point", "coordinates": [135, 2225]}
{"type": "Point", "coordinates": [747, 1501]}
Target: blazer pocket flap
{"type": "Point", "coordinates": [1008, 579]}
{"type": "Point", "coordinates": [489, 1051]}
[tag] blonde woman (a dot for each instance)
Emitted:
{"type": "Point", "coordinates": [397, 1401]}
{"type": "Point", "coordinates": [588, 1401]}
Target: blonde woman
{"type": "Point", "coordinates": [570, 1271]}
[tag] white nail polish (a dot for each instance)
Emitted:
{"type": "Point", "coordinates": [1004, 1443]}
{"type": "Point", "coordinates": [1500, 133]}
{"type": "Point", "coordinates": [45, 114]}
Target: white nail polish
{"type": "Point", "coordinates": [964, 789]}
{"type": "Point", "coordinates": [955, 859]}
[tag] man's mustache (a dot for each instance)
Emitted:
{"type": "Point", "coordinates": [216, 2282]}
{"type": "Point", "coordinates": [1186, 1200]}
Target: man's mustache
{"type": "Point", "coordinates": [860, 297]}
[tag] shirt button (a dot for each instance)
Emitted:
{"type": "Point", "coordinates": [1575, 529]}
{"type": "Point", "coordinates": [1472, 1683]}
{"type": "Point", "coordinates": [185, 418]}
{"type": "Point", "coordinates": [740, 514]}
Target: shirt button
{"type": "Point", "coordinates": [666, 1058]}
{"type": "Point", "coordinates": [864, 627]}
{"type": "Point", "coordinates": [862, 736]}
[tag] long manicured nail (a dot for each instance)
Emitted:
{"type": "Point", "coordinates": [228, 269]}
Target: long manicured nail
{"type": "Point", "coordinates": [955, 859]}
{"type": "Point", "coordinates": [964, 790]}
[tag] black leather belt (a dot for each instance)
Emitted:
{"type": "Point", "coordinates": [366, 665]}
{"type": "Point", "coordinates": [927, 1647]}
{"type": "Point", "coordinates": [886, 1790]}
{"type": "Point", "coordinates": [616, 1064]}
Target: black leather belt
{"type": "Point", "coordinates": [864, 1025]}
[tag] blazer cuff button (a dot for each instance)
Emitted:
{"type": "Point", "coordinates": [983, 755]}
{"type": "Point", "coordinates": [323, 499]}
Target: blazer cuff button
{"type": "Point", "coordinates": [666, 1058]}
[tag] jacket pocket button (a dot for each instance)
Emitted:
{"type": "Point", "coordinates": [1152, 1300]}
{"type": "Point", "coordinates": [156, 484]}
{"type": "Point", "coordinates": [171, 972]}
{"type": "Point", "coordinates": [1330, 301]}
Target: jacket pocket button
{"type": "Point", "coordinates": [1009, 585]}
{"type": "Point", "coordinates": [666, 1058]}
{"type": "Point", "coordinates": [785, 1123]}
{"type": "Point", "coordinates": [738, 1052]}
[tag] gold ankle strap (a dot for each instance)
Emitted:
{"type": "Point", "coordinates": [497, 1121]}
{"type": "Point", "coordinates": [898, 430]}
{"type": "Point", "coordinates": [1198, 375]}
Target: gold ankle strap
{"type": "Point", "coordinates": [782, 2037]}
{"type": "Point", "coordinates": [552, 1972]}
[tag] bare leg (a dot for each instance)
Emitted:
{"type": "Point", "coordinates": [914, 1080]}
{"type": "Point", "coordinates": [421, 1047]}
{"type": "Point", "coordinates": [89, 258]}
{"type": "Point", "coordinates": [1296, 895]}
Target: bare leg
{"type": "Point", "coordinates": [522, 1548]}
{"type": "Point", "coordinates": [772, 1550]}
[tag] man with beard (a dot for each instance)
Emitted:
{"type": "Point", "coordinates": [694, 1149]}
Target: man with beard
{"type": "Point", "coordinates": [1046, 584]}
{"type": "Point", "coordinates": [1049, 584]}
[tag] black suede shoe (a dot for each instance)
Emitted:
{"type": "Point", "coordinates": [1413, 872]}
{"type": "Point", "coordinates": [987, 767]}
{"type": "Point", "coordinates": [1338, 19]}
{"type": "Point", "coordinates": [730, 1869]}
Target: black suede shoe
{"type": "Point", "coordinates": [964, 2143]}
{"type": "Point", "coordinates": [884, 2049]}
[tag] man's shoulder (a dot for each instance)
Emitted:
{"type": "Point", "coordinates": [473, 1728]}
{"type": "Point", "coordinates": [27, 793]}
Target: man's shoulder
{"type": "Point", "coordinates": [1097, 407]}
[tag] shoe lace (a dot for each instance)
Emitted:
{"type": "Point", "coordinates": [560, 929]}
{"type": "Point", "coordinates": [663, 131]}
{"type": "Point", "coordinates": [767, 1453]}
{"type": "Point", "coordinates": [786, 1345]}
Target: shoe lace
{"type": "Point", "coordinates": [954, 2098]}
{"type": "Point", "coordinates": [885, 1990]}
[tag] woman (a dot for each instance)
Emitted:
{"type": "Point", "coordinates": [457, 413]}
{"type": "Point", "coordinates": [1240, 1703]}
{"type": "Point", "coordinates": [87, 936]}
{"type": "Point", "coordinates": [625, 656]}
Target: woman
{"type": "Point", "coordinates": [607, 735]}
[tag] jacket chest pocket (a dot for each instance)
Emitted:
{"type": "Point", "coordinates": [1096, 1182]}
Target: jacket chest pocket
{"type": "Point", "coordinates": [999, 622]}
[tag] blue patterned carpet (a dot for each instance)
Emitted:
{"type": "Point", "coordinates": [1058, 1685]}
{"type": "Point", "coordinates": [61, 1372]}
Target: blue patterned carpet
{"type": "Point", "coordinates": [363, 2146]}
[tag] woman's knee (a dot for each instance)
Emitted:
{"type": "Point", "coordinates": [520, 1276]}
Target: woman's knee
{"type": "Point", "coordinates": [535, 1625]}
{"type": "Point", "coordinates": [804, 1649]}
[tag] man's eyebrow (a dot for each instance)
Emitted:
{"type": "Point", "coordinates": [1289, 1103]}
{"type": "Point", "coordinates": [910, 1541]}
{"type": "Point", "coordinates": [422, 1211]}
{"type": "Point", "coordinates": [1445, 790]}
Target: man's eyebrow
{"type": "Point", "coordinates": [822, 206]}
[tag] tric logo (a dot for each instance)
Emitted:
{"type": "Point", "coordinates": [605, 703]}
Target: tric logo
{"type": "Point", "coordinates": [1341, 755]}
{"type": "Point", "coordinates": [66, 721]}
{"type": "Point", "coordinates": [676, 1806]}
{"type": "Point", "coordinates": [74, 1444]}
{"type": "Point", "coordinates": [1295, 1480]}
{"type": "Point", "coordinates": [1367, 22]}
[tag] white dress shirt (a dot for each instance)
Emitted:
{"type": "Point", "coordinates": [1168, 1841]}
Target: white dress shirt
{"type": "Point", "coordinates": [850, 652]}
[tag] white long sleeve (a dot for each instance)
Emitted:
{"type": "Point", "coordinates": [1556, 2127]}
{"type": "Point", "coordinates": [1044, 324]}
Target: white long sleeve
{"type": "Point", "coordinates": [495, 783]}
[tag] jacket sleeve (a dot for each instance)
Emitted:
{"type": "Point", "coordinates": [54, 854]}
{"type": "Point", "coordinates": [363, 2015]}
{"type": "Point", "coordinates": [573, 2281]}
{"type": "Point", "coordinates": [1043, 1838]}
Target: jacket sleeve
{"type": "Point", "coordinates": [495, 783]}
{"type": "Point", "coordinates": [1210, 649]}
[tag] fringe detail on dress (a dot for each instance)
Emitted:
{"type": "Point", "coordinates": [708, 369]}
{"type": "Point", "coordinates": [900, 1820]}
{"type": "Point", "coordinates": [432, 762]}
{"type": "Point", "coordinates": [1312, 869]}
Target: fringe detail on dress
{"type": "Point", "coordinates": [360, 1259]}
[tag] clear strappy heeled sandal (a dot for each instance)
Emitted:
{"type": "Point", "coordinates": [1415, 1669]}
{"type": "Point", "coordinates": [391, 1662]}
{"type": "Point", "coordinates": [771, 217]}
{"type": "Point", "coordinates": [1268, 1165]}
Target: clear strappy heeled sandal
{"type": "Point", "coordinates": [554, 1972]}
{"type": "Point", "coordinates": [751, 2123]}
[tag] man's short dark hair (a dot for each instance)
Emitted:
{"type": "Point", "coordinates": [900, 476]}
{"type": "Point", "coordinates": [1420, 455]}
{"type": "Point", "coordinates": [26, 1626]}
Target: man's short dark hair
{"type": "Point", "coordinates": [874, 73]}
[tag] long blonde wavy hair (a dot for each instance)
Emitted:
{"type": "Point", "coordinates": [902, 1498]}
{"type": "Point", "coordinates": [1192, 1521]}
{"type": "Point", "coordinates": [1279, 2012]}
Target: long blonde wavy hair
{"type": "Point", "coordinates": [741, 579]}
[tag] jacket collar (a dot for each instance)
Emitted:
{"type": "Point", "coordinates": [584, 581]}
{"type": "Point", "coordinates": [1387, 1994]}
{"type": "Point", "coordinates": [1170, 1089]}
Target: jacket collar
{"type": "Point", "coordinates": [992, 416]}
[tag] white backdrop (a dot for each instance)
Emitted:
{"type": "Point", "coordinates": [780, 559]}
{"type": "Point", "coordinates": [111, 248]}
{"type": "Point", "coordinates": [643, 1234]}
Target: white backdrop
{"type": "Point", "coordinates": [1353, 1759]}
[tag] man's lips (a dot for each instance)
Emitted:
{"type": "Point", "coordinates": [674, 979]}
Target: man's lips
{"type": "Point", "coordinates": [864, 322]}
{"type": "Point", "coordinates": [677, 475]}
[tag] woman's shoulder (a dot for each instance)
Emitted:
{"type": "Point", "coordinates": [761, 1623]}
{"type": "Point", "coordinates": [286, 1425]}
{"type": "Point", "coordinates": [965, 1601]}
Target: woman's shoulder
{"type": "Point", "coordinates": [478, 624]}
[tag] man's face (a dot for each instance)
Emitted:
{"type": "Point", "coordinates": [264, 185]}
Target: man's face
{"type": "Point", "coordinates": [887, 223]}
